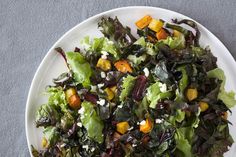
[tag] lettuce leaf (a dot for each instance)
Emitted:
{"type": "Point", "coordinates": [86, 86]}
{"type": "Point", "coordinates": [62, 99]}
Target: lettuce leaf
{"type": "Point", "coordinates": [57, 98]}
{"type": "Point", "coordinates": [183, 83]}
{"type": "Point", "coordinates": [151, 49]}
{"type": "Point", "coordinates": [100, 44]}
{"type": "Point", "coordinates": [155, 93]}
{"type": "Point", "coordinates": [46, 115]}
{"type": "Point", "coordinates": [92, 122]}
{"type": "Point", "coordinates": [182, 144]}
{"type": "Point", "coordinates": [227, 97]}
{"type": "Point", "coordinates": [127, 86]}
{"type": "Point", "coordinates": [51, 134]}
{"type": "Point", "coordinates": [175, 42]}
{"type": "Point", "coordinates": [141, 41]}
{"type": "Point", "coordinates": [137, 60]}
{"type": "Point", "coordinates": [80, 67]}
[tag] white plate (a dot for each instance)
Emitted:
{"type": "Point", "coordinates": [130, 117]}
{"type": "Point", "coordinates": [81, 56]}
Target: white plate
{"type": "Point", "coordinates": [53, 64]}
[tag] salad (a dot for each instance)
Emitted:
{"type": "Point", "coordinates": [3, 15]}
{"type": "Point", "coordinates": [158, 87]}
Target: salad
{"type": "Point", "coordinates": [156, 95]}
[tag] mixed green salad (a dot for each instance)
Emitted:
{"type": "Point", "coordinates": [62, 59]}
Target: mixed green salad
{"type": "Point", "coordinates": [158, 95]}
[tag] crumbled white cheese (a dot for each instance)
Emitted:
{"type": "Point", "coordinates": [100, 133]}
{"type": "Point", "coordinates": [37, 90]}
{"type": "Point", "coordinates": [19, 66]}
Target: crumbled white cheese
{"type": "Point", "coordinates": [62, 145]}
{"type": "Point", "coordinates": [134, 145]}
{"type": "Point", "coordinates": [85, 147]}
{"type": "Point", "coordinates": [163, 87]}
{"type": "Point", "coordinates": [146, 72]}
{"type": "Point", "coordinates": [131, 128]}
{"type": "Point", "coordinates": [100, 85]}
{"type": "Point", "coordinates": [101, 102]}
{"type": "Point", "coordinates": [104, 54]}
{"type": "Point", "coordinates": [138, 123]}
{"type": "Point", "coordinates": [79, 124]}
{"type": "Point", "coordinates": [103, 74]}
{"type": "Point", "coordinates": [92, 149]}
{"type": "Point", "coordinates": [93, 88]}
{"type": "Point", "coordinates": [158, 121]}
{"type": "Point", "coordinates": [143, 122]}
{"type": "Point", "coordinates": [81, 110]}
{"type": "Point", "coordinates": [120, 106]}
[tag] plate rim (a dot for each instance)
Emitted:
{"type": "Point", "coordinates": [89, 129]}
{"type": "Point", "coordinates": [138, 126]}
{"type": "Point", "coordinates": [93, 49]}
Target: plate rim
{"type": "Point", "coordinates": [228, 55]}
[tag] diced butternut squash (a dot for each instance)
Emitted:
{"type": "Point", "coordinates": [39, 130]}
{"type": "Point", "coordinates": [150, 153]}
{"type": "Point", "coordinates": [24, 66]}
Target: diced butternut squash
{"type": "Point", "coordinates": [122, 127]}
{"type": "Point", "coordinates": [74, 101]}
{"type": "Point", "coordinates": [203, 106]}
{"type": "Point", "coordinates": [73, 98]}
{"type": "Point", "coordinates": [113, 89]}
{"type": "Point", "coordinates": [191, 94]}
{"type": "Point", "coordinates": [147, 127]}
{"type": "Point", "coordinates": [176, 33]}
{"type": "Point", "coordinates": [162, 34]}
{"type": "Point", "coordinates": [44, 142]}
{"type": "Point", "coordinates": [156, 25]}
{"type": "Point", "coordinates": [69, 92]}
{"type": "Point", "coordinates": [143, 22]}
{"type": "Point", "coordinates": [110, 93]}
{"type": "Point", "coordinates": [104, 64]}
{"type": "Point", "coordinates": [225, 115]}
{"type": "Point", "coordinates": [123, 66]}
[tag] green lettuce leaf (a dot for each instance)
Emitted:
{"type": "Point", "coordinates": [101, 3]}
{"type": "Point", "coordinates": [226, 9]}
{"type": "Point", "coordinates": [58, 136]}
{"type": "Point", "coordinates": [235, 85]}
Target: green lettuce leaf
{"type": "Point", "coordinates": [67, 120]}
{"type": "Point", "coordinates": [51, 134]}
{"type": "Point", "coordinates": [141, 41]}
{"type": "Point", "coordinates": [182, 144]}
{"type": "Point", "coordinates": [127, 86]}
{"type": "Point", "coordinates": [46, 115]}
{"type": "Point", "coordinates": [57, 98]}
{"type": "Point", "coordinates": [100, 44]}
{"type": "Point", "coordinates": [137, 60]}
{"type": "Point", "coordinates": [183, 83]}
{"type": "Point", "coordinates": [91, 121]}
{"type": "Point", "coordinates": [154, 93]}
{"type": "Point", "coordinates": [80, 67]}
{"type": "Point", "coordinates": [141, 108]}
{"type": "Point", "coordinates": [151, 49]}
{"type": "Point", "coordinates": [175, 42]}
{"type": "Point", "coordinates": [227, 97]}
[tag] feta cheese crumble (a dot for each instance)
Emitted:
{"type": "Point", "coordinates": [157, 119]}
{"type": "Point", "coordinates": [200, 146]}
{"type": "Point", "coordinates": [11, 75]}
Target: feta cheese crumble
{"type": "Point", "coordinates": [103, 74]}
{"type": "Point", "coordinates": [81, 111]}
{"type": "Point", "coordinates": [146, 72]}
{"type": "Point", "coordinates": [100, 85]}
{"type": "Point", "coordinates": [163, 87]}
{"type": "Point", "coordinates": [131, 128]}
{"type": "Point", "coordinates": [158, 121]}
{"type": "Point", "coordinates": [93, 88]}
{"type": "Point", "coordinates": [101, 102]}
{"type": "Point", "coordinates": [93, 149]}
{"type": "Point", "coordinates": [79, 124]}
{"type": "Point", "coordinates": [143, 122]}
{"type": "Point", "coordinates": [85, 147]}
{"type": "Point", "coordinates": [104, 54]}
